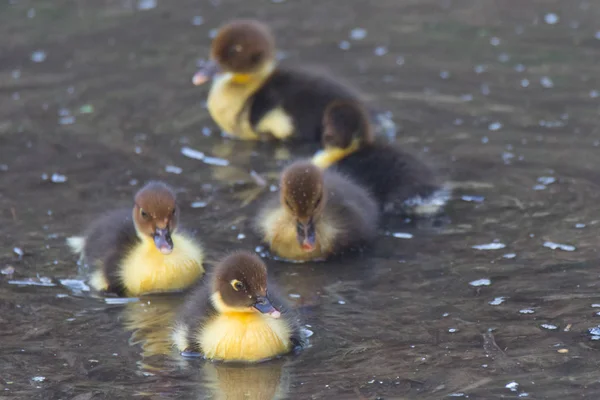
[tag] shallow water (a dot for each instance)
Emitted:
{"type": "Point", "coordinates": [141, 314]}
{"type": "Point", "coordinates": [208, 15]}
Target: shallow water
{"type": "Point", "coordinates": [503, 99]}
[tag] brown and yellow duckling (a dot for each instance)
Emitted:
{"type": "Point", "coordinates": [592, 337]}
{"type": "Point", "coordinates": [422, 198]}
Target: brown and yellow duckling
{"type": "Point", "coordinates": [140, 251]}
{"type": "Point", "coordinates": [235, 315]}
{"type": "Point", "coordinates": [317, 214]}
{"type": "Point", "coordinates": [253, 98]}
{"type": "Point", "coordinates": [398, 180]}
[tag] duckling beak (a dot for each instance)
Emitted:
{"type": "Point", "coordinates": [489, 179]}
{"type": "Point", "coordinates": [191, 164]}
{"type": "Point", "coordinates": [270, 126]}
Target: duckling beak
{"type": "Point", "coordinates": [206, 73]}
{"type": "Point", "coordinates": [264, 306]}
{"type": "Point", "coordinates": [305, 233]}
{"type": "Point", "coordinates": [163, 241]}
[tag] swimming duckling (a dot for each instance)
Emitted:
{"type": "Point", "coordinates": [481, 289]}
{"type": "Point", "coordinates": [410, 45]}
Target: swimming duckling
{"type": "Point", "coordinates": [317, 214]}
{"type": "Point", "coordinates": [235, 315]}
{"type": "Point", "coordinates": [253, 98]}
{"type": "Point", "coordinates": [138, 252]}
{"type": "Point", "coordinates": [398, 180]}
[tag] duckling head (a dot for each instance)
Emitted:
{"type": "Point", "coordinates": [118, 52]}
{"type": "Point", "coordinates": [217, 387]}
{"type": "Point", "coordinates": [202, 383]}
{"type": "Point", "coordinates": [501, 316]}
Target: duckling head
{"type": "Point", "coordinates": [302, 195]}
{"type": "Point", "coordinates": [244, 48]}
{"type": "Point", "coordinates": [346, 123]}
{"type": "Point", "coordinates": [155, 215]}
{"type": "Point", "coordinates": [240, 285]}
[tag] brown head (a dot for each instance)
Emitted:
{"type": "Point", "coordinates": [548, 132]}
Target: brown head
{"type": "Point", "coordinates": [242, 47]}
{"type": "Point", "coordinates": [155, 214]}
{"type": "Point", "coordinates": [240, 285]}
{"type": "Point", "coordinates": [303, 196]}
{"type": "Point", "coordinates": [345, 122]}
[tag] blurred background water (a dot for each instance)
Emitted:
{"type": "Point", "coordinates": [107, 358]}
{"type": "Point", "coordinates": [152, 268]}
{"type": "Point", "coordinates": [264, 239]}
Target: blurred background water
{"type": "Point", "coordinates": [498, 299]}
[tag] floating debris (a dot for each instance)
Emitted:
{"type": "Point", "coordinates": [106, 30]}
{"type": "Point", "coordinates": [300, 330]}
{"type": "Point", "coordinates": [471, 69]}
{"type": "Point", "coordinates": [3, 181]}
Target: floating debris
{"type": "Point", "coordinates": [554, 246]}
{"type": "Point", "coordinates": [8, 270]}
{"type": "Point", "coordinates": [294, 295]}
{"type": "Point", "coordinates": [241, 236]}
{"type": "Point", "coordinates": [173, 169]}
{"type": "Point", "coordinates": [75, 285]}
{"type": "Point", "coordinates": [402, 235]}
{"type": "Point", "coordinates": [551, 18]}
{"type": "Point", "coordinates": [513, 386]}
{"type": "Point", "coordinates": [546, 82]}
{"type": "Point", "coordinates": [307, 332]}
{"type": "Point", "coordinates": [473, 199]}
{"type": "Point", "coordinates": [18, 251]}
{"type": "Point", "coordinates": [341, 302]}
{"type": "Point", "coordinates": [199, 204]}
{"type": "Point", "coordinates": [191, 153]}
{"type": "Point", "coordinates": [380, 51]}
{"type": "Point", "coordinates": [497, 301]}
{"type": "Point", "coordinates": [546, 180]}
{"type": "Point", "coordinates": [495, 126]}
{"type": "Point", "coordinates": [549, 327]}
{"type": "Point", "coordinates": [490, 246]}
{"type": "Point", "coordinates": [216, 161]}
{"type": "Point", "coordinates": [86, 109]}
{"type": "Point", "coordinates": [509, 256]}
{"type": "Point", "coordinates": [58, 178]}
{"type": "Point", "coordinates": [563, 351]}
{"type": "Point", "coordinates": [358, 34]}
{"type": "Point", "coordinates": [595, 332]}
{"type": "Point", "coordinates": [120, 300]}
{"type": "Point", "coordinates": [38, 56]}
{"type": "Point", "coordinates": [44, 281]}
{"type": "Point", "coordinates": [38, 378]}
{"type": "Point", "coordinates": [481, 282]}
{"type": "Point", "coordinates": [453, 330]}
{"type": "Point", "coordinates": [527, 311]}
{"type": "Point", "coordinates": [147, 4]}
{"type": "Point", "coordinates": [344, 45]}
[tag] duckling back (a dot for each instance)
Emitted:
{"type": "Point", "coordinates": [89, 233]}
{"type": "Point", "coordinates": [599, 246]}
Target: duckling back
{"type": "Point", "coordinates": [398, 180]}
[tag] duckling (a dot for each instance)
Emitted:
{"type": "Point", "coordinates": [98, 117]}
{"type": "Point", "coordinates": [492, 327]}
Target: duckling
{"type": "Point", "coordinates": [138, 252]}
{"type": "Point", "coordinates": [235, 315]}
{"type": "Point", "coordinates": [399, 181]}
{"type": "Point", "coordinates": [253, 98]}
{"type": "Point", "coordinates": [316, 215]}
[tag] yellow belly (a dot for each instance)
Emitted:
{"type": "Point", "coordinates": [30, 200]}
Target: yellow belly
{"type": "Point", "coordinates": [280, 233]}
{"type": "Point", "coordinates": [147, 270]}
{"type": "Point", "coordinates": [246, 337]}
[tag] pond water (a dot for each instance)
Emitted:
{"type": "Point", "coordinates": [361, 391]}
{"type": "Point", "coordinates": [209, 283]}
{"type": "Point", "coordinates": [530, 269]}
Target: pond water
{"type": "Point", "coordinates": [495, 300]}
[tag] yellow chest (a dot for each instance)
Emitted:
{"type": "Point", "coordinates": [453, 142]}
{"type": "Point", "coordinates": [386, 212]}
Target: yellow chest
{"type": "Point", "coordinates": [146, 270]}
{"type": "Point", "coordinates": [226, 104]}
{"type": "Point", "coordinates": [240, 336]}
{"type": "Point", "coordinates": [280, 233]}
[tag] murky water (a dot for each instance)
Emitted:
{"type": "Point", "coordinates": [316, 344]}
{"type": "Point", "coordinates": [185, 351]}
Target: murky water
{"type": "Point", "coordinates": [96, 98]}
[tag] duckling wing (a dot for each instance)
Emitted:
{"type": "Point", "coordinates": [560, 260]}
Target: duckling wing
{"type": "Point", "coordinates": [193, 314]}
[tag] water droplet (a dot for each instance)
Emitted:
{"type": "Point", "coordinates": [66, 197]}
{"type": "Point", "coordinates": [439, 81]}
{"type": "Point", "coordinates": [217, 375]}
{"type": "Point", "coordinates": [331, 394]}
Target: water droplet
{"type": "Point", "coordinates": [495, 126]}
{"type": "Point", "coordinates": [452, 330]}
{"type": "Point", "coordinates": [509, 256]}
{"type": "Point", "coordinates": [497, 301]}
{"type": "Point", "coordinates": [564, 247]}
{"type": "Point", "coordinates": [173, 169]}
{"type": "Point", "coordinates": [524, 83]}
{"type": "Point", "coordinates": [489, 246]}
{"type": "Point", "coordinates": [546, 180]}
{"type": "Point", "coordinates": [16, 73]}
{"type": "Point", "coordinates": [526, 311]}
{"type": "Point", "coordinates": [520, 68]}
{"type": "Point", "coordinates": [241, 236]}
{"type": "Point", "coordinates": [31, 13]}
{"type": "Point", "coordinates": [504, 58]}
{"type": "Point", "coordinates": [400, 60]}
{"type": "Point", "coordinates": [199, 204]}
{"type": "Point", "coordinates": [444, 74]}
{"type": "Point", "coordinates": [58, 178]}
{"type": "Point", "coordinates": [341, 302]}
{"type": "Point", "coordinates": [513, 386]}
{"type": "Point", "coordinates": [38, 56]}
{"type": "Point", "coordinates": [485, 139]}
{"type": "Point", "coordinates": [594, 94]}
{"type": "Point", "coordinates": [479, 69]}
{"type": "Point", "coordinates": [579, 226]}
{"type": "Point", "coordinates": [191, 153]}
{"type": "Point", "coordinates": [197, 20]}
{"type": "Point", "coordinates": [494, 41]}
{"type": "Point", "coordinates": [68, 120]}
{"type": "Point", "coordinates": [549, 327]}
{"type": "Point", "coordinates": [402, 235]}
{"type": "Point", "coordinates": [294, 295]}
{"type": "Point", "coordinates": [551, 18]}
{"type": "Point", "coordinates": [597, 35]}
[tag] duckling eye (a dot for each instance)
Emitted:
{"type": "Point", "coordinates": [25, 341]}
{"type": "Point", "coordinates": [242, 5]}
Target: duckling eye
{"type": "Point", "coordinates": [144, 214]}
{"type": "Point", "coordinates": [237, 285]}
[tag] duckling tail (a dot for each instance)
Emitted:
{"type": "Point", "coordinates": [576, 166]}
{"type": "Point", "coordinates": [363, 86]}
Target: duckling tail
{"type": "Point", "coordinates": [76, 243]}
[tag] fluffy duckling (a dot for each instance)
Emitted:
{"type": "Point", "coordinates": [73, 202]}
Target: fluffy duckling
{"type": "Point", "coordinates": [398, 180]}
{"type": "Point", "coordinates": [253, 98]}
{"type": "Point", "coordinates": [138, 252]}
{"type": "Point", "coordinates": [235, 316]}
{"type": "Point", "coordinates": [316, 215]}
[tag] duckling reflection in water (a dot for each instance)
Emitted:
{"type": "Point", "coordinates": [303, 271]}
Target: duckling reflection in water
{"type": "Point", "coordinates": [398, 180]}
{"type": "Point", "coordinates": [140, 251]}
{"type": "Point", "coordinates": [236, 315]}
{"type": "Point", "coordinates": [265, 381]}
{"type": "Point", "coordinates": [253, 98]}
{"type": "Point", "coordinates": [316, 215]}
